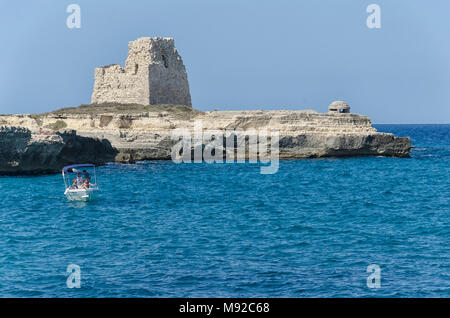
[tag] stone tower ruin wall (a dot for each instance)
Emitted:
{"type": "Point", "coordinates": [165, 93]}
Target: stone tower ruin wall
{"type": "Point", "coordinates": [154, 73]}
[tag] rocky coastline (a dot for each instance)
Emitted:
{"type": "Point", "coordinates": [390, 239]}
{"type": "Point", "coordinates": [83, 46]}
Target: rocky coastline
{"type": "Point", "coordinates": [44, 143]}
{"type": "Point", "coordinates": [23, 152]}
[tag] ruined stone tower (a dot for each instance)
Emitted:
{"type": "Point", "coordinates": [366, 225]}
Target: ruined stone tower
{"type": "Point", "coordinates": [154, 73]}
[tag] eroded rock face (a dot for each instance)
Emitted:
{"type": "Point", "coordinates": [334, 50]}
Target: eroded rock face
{"type": "Point", "coordinates": [345, 145]}
{"type": "Point", "coordinates": [82, 149]}
{"type": "Point", "coordinates": [154, 73]}
{"type": "Point", "coordinates": [25, 153]}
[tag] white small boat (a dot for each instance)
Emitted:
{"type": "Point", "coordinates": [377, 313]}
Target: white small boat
{"type": "Point", "coordinates": [82, 188]}
{"type": "Point", "coordinates": [80, 194]}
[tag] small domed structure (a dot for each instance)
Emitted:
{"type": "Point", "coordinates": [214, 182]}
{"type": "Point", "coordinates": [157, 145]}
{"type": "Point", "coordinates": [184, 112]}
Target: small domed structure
{"type": "Point", "coordinates": [339, 107]}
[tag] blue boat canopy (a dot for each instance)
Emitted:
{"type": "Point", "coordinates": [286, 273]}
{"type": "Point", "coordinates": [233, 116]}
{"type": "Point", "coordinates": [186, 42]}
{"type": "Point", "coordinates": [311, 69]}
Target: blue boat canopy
{"type": "Point", "coordinates": [78, 165]}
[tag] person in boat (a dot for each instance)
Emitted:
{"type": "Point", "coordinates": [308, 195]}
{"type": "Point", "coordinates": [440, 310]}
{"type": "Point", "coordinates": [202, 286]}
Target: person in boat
{"type": "Point", "coordinates": [86, 184]}
{"type": "Point", "coordinates": [86, 175]}
{"type": "Point", "coordinates": [74, 184]}
{"type": "Point", "coordinates": [79, 180]}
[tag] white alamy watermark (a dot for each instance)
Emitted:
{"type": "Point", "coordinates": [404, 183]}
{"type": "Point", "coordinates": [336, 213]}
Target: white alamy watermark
{"type": "Point", "coordinates": [374, 279]}
{"type": "Point", "coordinates": [74, 19]}
{"type": "Point", "coordinates": [230, 145]}
{"type": "Point", "coordinates": [74, 278]}
{"type": "Point", "coordinates": [374, 19]}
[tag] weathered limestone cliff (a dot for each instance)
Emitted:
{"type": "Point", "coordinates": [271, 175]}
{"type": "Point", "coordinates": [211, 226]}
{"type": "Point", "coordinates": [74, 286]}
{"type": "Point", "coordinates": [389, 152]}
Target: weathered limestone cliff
{"type": "Point", "coordinates": [20, 151]}
{"type": "Point", "coordinates": [25, 152]}
{"type": "Point", "coordinates": [138, 132]}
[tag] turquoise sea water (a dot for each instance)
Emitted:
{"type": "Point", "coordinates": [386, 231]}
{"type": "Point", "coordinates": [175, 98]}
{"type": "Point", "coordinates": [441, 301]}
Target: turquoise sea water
{"type": "Point", "coordinates": [161, 229]}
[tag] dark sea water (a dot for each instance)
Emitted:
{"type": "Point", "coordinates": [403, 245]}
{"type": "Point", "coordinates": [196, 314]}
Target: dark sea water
{"type": "Point", "coordinates": [161, 229]}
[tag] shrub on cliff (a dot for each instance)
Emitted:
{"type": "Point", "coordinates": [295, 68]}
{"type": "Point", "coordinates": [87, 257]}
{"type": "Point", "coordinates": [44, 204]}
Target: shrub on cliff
{"type": "Point", "coordinates": [59, 124]}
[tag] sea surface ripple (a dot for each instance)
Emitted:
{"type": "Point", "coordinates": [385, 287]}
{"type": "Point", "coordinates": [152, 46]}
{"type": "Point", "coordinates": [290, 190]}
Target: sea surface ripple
{"type": "Point", "coordinates": [160, 229]}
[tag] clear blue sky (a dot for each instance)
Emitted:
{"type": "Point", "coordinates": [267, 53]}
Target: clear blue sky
{"type": "Point", "coordinates": [240, 54]}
